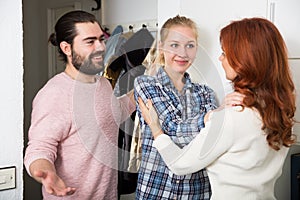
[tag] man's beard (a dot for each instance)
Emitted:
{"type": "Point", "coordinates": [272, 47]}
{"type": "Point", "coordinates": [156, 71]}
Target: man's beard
{"type": "Point", "coordinates": [87, 66]}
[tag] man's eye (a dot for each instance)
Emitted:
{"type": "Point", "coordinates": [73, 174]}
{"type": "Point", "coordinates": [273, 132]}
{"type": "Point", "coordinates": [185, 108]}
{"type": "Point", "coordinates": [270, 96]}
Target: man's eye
{"type": "Point", "coordinates": [102, 38]}
{"type": "Point", "coordinates": [90, 41]}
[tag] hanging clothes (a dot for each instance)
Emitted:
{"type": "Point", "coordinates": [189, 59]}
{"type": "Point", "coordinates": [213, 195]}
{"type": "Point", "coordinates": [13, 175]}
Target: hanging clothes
{"type": "Point", "coordinates": [122, 68]}
{"type": "Point", "coordinates": [111, 44]}
{"type": "Point", "coordinates": [105, 32]}
{"type": "Point", "coordinates": [114, 53]}
{"type": "Point", "coordinates": [152, 63]}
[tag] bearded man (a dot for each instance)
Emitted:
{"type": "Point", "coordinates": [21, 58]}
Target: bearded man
{"type": "Point", "coordinates": [72, 148]}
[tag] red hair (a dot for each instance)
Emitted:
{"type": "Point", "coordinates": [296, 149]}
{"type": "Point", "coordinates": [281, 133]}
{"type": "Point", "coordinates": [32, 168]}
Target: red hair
{"type": "Point", "coordinates": [257, 52]}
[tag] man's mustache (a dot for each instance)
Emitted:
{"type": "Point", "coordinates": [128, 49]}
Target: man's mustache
{"type": "Point", "coordinates": [97, 54]}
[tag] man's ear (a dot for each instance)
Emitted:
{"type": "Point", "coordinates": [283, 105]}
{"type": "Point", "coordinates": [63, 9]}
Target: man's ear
{"type": "Point", "coordinates": [66, 48]}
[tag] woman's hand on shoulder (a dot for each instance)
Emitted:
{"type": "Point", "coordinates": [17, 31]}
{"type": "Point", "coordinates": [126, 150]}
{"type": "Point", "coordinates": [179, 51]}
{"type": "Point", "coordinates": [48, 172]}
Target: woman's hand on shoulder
{"type": "Point", "coordinates": [150, 116]}
{"type": "Point", "coordinates": [230, 100]}
{"type": "Point", "coordinates": [233, 99]}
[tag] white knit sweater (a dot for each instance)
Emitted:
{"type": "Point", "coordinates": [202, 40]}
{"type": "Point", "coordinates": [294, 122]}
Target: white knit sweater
{"type": "Point", "coordinates": [234, 150]}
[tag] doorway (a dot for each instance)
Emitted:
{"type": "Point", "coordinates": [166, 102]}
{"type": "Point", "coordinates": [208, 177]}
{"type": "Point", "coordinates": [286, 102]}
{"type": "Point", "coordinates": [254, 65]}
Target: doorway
{"type": "Point", "coordinates": [39, 17]}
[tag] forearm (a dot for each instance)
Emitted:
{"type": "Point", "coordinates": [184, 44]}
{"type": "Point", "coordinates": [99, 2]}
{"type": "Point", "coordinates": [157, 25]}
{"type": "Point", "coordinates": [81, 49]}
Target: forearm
{"type": "Point", "coordinates": [181, 131]}
{"type": "Point", "coordinates": [215, 139]}
{"type": "Point", "coordinates": [180, 161]}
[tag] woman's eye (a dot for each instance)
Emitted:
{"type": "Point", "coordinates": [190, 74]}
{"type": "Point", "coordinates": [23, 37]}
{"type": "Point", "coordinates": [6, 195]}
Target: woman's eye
{"type": "Point", "coordinates": [190, 46]}
{"type": "Point", "coordinates": [174, 45]}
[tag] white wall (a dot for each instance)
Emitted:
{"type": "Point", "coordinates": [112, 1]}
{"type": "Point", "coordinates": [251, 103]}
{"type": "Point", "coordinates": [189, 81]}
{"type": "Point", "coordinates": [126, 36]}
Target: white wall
{"type": "Point", "coordinates": [211, 16]}
{"type": "Point", "coordinates": [129, 12]}
{"type": "Point", "coordinates": [166, 9]}
{"type": "Point", "coordinates": [11, 101]}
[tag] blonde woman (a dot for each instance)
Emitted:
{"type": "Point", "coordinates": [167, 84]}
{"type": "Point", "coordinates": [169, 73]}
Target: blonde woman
{"type": "Point", "coordinates": [174, 96]}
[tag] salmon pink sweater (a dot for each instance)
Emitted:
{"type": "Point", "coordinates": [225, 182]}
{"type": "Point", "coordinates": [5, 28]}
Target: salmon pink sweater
{"type": "Point", "coordinates": [75, 125]}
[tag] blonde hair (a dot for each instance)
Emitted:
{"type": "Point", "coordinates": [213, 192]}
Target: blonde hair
{"type": "Point", "coordinates": [151, 61]}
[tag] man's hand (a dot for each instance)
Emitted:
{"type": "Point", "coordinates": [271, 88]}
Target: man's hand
{"type": "Point", "coordinates": [130, 94]}
{"type": "Point", "coordinates": [44, 172]}
{"type": "Point", "coordinates": [54, 184]}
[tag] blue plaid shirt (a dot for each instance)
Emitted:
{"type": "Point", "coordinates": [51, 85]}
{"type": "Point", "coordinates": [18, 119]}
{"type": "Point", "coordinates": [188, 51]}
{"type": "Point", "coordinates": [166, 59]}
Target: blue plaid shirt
{"type": "Point", "coordinates": [155, 180]}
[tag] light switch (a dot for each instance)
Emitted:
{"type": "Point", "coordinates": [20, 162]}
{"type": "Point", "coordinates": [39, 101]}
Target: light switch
{"type": "Point", "coordinates": [7, 178]}
{"type": "Point", "coordinates": [2, 180]}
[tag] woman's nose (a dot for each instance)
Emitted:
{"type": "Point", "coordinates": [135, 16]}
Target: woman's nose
{"type": "Point", "coordinates": [222, 56]}
{"type": "Point", "coordinates": [182, 52]}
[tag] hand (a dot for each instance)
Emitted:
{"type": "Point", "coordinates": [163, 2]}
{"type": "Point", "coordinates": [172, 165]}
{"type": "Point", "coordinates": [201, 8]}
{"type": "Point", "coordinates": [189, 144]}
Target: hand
{"type": "Point", "coordinates": [232, 99]}
{"type": "Point", "coordinates": [54, 184]}
{"type": "Point", "coordinates": [150, 116]}
{"type": "Point", "coordinates": [130, 94]}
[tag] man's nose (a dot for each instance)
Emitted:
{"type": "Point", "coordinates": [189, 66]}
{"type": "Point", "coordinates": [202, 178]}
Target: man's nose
{"type": "Point", "coordinates": [100, 45]}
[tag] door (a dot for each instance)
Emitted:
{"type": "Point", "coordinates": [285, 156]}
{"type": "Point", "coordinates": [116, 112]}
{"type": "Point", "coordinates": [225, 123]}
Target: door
{"type": "Point", "coordinates": [55, 9]}
{"type": "Point", "coordinates": [55, 65]}
{"type": "Point", "coordinates": [295, 68]}
{"type": "Point", "coordinates": [286, 16]}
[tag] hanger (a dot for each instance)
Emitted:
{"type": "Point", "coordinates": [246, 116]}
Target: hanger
{"type": "Point", "coordinates": [130, 27]}
{"type": "Point", "coordinates": [98, 5]}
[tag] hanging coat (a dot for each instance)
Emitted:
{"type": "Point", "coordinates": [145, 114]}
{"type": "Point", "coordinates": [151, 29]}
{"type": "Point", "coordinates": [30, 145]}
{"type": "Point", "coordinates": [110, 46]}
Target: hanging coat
{"type": "Point", "coordinates": [131, 54]}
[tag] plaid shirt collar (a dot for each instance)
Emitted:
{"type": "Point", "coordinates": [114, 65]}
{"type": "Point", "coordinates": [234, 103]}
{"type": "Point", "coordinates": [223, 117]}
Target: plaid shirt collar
{"type": "Point", "coordinates": [164, 79]}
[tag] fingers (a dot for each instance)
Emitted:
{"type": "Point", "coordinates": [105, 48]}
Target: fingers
{"type": "Point", "coordinates": [71, 191]}
{"type": "Point", "coordinates": [148, 111]}
{"type": "Point", "coordinates": [234, 99]}
{"type": "Point", "coordinates": [144, 111]}
{"type": "Point", "coordinates": [49, 190]}
{"type": "Point", "coordinates": [142, 104]}
{"type": "Point", "coordinates": [58, 191]}
{"type": "Point", "coordinates": [235, 96]}
{"type": "Point", "coordinates": [149, 104]}
{"type": "Point", "coordinates": [53, 184]}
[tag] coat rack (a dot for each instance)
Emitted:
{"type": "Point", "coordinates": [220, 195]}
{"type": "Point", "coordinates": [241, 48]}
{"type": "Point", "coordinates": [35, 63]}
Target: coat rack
{"type": "Point", "coordinates": [98, 5]}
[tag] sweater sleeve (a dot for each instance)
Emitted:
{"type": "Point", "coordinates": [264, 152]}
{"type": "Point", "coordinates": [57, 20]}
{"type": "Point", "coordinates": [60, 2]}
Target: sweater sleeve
{"type": "Point", "coordinates": [50, 124]}
{"type": "Point", "coordinates": [214, 140]}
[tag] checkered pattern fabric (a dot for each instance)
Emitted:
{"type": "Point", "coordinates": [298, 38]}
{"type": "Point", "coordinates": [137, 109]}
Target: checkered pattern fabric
{"type": "Point", "coordinates": [188, 107]}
